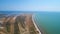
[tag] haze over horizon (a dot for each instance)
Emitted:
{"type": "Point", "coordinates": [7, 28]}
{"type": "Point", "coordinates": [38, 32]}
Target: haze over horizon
{"type": "Point", "coordinates": [30, 5]}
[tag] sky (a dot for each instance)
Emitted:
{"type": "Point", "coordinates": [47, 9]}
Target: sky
{"type": "Point", "coordinates": [29, 5]}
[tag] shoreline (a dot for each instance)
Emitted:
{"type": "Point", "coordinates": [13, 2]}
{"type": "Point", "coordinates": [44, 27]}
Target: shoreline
{"type": "Point", "coordinates": [35, 25]}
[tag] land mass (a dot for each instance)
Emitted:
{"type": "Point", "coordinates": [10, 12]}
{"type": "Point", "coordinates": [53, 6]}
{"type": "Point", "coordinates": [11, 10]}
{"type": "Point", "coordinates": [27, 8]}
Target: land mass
{"type": "Point", "coordinates": [18, 24]}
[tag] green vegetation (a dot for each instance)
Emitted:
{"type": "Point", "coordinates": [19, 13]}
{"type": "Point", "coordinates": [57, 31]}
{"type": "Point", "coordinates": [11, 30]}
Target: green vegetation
{"type": "Point", "coordinates": [16, 28]}
{"type": "Point", "coordinates": [8, 26]}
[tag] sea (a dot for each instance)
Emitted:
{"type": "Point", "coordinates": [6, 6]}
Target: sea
{"type": "Point", "coordinates": [48, 22]}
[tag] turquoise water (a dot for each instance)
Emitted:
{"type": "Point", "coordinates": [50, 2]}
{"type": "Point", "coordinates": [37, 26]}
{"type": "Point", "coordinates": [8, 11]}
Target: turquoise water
{"type": "Point", "coordinates": [49, 21]}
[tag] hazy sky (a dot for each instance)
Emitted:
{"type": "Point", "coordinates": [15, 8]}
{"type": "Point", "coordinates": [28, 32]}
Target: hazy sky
{"type": "Point", "coordinates": [30, 5]}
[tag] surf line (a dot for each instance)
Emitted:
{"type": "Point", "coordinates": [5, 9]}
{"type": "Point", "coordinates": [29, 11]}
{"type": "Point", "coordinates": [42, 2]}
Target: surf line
{"type": "Point", "coordinates": [35, 24]}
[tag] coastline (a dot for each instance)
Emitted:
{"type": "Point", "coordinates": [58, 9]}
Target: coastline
{"type": "Point", "coordinates": [35, 24]}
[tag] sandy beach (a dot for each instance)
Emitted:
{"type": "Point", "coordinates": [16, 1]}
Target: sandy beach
{"type": "Point", "coordinates": [35, 24]}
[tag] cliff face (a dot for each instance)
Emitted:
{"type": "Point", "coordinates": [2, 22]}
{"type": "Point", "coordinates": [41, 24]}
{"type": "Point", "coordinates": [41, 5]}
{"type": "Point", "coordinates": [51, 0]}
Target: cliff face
{"type": "Point", "coordinates": [21, 24]}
